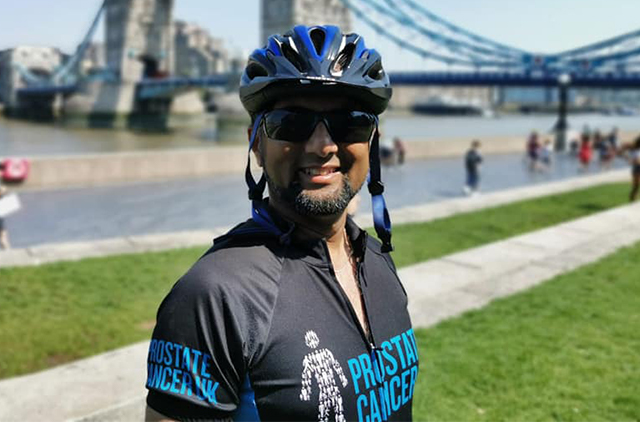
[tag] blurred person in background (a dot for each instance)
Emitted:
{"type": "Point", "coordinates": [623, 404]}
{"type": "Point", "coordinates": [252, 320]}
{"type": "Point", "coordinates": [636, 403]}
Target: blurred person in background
{"type": "Point", "coordinates": [613, 138]}
{"type": "Point", "coordinates": [632, 152]}
{"type": "Point", "coordinates": [472, 161]}
{"type": "Point", "coordinates": [546, 154]}
{"type": "Point", "coordinates": [533, 150]}
{"type": "Point", "coordinates": [4, 235]}
{"type": "Point", "coordinates": [399, 150]}
{"type": "Point", "coordinates": [606, 152]}
{"type": "Point", "coordinates": [585, 152]}
{"type": "Point", "coordinates": [387, 152]}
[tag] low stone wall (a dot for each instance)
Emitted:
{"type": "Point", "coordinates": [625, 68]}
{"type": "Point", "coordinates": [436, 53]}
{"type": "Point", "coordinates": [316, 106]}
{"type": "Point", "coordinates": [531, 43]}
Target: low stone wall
{"type": "Point", "coordinates": [457, 147]}
{"type": "Point", "coordinates": [109, 168]}
{"type": "Point", "coordinates": [113, 168]}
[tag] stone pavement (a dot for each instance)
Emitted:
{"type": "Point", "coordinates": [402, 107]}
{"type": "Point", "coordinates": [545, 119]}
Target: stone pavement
{"type": "Point", "coordinates": [41, 254]}
{"type": "Point", "coordinates": [446, 287]}
{"type": "Point", "coordinates": [111, 386]}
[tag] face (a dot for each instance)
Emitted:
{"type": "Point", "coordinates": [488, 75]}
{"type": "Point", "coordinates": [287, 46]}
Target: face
{"type": "Point", "coordinates": [317, 177]}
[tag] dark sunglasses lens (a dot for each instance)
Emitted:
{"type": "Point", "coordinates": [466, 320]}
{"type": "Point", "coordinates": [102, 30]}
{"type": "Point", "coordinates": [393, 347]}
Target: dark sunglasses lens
{"type": "Point", "coordinates": [284, 125]}
{"type": "Point", "coordinates": [351, 127]}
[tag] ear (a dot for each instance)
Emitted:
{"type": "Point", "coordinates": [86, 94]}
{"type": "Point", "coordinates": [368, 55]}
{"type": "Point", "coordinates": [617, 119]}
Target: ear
{"type": "Point", "coordinates": [256, 145]}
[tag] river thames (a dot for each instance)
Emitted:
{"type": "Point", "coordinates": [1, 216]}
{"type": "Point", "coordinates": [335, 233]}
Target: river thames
{"type": "Point", "coordinates": [20, 138]}
{"type": "Point", "coordinates": [85, 214]}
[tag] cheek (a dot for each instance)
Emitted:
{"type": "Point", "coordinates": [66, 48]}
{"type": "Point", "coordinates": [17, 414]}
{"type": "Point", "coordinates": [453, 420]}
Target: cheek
{"type": "Point", "coordinates": [279, 160]}
{"type": "Point", "coordinates": [359, 156]}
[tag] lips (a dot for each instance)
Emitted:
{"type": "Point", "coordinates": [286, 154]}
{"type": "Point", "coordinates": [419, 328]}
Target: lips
{"type": "Point", "coordinates": [323, 175]}
{"type": "Point", "coordinates": [319, 171]}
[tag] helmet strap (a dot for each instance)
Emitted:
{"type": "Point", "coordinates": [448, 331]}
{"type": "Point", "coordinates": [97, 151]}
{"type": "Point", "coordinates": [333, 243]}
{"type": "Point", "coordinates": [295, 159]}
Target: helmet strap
{"type": "Point", "coordinates": [259, 211]}
{"type": "Point", "coordinates": [255, 189]}
{"type": "Point", "coordinates": [381, 220]}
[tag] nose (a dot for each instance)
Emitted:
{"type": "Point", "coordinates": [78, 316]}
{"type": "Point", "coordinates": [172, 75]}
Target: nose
{"type": "Point", "coordinates": [320, 142]}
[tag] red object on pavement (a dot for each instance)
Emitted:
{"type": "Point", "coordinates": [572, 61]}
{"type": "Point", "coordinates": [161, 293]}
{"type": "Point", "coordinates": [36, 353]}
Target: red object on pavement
{"type": "Point", "coordinates": [15, 170]}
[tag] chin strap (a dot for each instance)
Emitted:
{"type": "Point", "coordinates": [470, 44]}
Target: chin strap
{"type": "Point", "coordinates": [381, 220]}
{"type": "Point", "coordinates": [259, 211]}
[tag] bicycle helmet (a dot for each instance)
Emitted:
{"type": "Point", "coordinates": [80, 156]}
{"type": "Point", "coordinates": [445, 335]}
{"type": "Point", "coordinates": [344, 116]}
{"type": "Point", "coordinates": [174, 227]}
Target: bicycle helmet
{"type": "Point", "coordinates": [317, 60]}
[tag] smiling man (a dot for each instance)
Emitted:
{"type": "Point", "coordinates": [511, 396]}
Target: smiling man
{"type": "Point", "coordinates": [296, 314]}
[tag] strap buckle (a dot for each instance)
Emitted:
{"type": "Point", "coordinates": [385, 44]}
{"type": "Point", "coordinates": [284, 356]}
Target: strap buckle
{"type": "Point", "coordinates": [255, 194]}
{"type": "Point", "coordinates": [376, 187]}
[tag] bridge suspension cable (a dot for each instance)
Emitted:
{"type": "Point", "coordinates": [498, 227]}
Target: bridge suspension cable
{"type": "Point", "coordinates": [441, 42]}
{"type": "Point", "coordinates": [611, 42]}
{"type": "Point", "coordinates": [459, 30]}
{"type": "Point", "coordinates": [414, 28]}
{"type": "Point", "coordinates": [472, 51]}
{"type": "Point", "coordinates": [69, 69]}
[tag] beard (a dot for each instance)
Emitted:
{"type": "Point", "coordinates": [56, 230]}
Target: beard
{"type": "Point", "coordinates": [307, 204]}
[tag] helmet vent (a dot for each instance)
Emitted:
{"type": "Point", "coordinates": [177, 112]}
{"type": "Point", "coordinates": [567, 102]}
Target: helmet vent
{"type": "Point", "coordinates": [376, 71]}
{"type": "Point", "coordinates": [293, 57]}
{"type": "Point", "coordinates": [317, 36]}
{"type": "Point", "coordinates": [344, 59]}
{"type": "Point", "coordinates": [256, 69]}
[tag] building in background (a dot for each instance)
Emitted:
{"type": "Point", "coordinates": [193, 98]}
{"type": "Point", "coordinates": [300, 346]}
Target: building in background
{"type": "Point", "coordinates": [39, 61]}
{"type": "Point", "coordinates": [278, 16]}
{"type": "Point", "coordinates": [197, 53]}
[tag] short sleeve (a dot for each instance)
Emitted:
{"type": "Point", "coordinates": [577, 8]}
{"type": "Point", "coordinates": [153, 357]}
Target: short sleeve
{"type": "Point", "coordinates": [196, 360]}
{"type": "Point", "coordinates": [208, 329]}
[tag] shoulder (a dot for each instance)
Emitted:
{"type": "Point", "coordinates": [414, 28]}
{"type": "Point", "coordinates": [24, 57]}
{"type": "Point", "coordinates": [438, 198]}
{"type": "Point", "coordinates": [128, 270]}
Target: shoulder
{"type": "Point", "coordinates": [236, 263]}
{"type": "Point", "coordinates": [230, 292]}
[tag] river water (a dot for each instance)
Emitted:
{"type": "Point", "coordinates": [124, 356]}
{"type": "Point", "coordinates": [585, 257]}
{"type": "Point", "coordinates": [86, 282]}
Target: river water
{"type": "Point", "coordinates": [86, 214]}
{"type": "Point", "coordinates": [20, 138]}
{"type": "Point", "coordinates": [109, 211]}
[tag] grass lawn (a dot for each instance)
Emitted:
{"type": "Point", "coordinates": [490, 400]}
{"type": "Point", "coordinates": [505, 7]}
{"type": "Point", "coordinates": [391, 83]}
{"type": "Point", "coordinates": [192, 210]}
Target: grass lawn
{"type": "Point", "coordinates": [419, 242]}
{"type": "Point", "coordinates": [60, 312]}
{"type": "Point", "coordinates": [566, 350]}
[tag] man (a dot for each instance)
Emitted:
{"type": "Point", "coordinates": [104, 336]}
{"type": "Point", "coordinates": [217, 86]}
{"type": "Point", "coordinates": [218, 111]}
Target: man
{"type": "Point", "coordinates": [296, 314]}
{"type": "Point", "coordinates": [472, 161]}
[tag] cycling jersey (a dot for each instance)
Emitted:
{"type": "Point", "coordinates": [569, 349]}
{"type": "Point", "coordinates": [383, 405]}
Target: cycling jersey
{"type": "Point", "coordinates": [260, 329]}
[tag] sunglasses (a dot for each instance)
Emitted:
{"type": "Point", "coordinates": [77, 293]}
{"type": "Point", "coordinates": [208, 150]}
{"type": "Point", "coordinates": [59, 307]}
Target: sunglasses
{"type": "Point", "coordinates": [297, 125]}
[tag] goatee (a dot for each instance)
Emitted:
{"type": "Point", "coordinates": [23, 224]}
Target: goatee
{"type": "Point", "coordinates": [307, 205]}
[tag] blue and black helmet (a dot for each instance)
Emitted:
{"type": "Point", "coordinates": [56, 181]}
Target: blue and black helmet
{"type": "Point", "coordinates": [317, 59]}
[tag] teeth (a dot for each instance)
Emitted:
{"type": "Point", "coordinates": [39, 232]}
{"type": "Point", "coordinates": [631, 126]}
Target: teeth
{"type": "Point", "coordinates": [318, 171]}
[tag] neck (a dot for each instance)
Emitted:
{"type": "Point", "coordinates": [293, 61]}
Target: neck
{"type": "Point", "coordinates": [330, 227]}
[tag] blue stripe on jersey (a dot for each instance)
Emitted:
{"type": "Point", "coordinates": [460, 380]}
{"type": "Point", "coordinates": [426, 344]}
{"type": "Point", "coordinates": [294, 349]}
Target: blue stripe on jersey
{"type": "Point", "coordinates": [247, 410]}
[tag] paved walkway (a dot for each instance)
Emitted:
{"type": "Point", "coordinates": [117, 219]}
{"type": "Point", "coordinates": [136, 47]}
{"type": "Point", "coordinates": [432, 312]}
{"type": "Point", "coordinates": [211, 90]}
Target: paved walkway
{"type": "Point", "coordinates": [111, 386]}
{"type": "Point", "coordinates": [153, 242]}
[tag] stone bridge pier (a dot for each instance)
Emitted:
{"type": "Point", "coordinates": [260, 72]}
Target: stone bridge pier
{"type": "Point", "coordinates": [139, 44]}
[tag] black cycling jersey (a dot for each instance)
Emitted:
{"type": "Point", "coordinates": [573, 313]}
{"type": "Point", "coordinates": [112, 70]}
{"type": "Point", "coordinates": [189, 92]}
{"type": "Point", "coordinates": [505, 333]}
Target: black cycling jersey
{"type": "Point", "coordinates": [260, 329]}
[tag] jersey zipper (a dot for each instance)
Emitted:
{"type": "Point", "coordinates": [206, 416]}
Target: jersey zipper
{"type": "Point", "coordinates": [368, 340]}
{"type": "Point", "coordinates": [373, 350]}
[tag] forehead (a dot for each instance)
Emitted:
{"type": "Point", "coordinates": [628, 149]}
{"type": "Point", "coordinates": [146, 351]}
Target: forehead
{"type": "Point", "coordinates": [316, 103]}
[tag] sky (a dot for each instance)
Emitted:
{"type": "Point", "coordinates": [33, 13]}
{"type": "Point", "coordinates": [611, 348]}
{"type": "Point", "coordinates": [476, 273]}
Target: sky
{"type": "Point", "coordinates": [534, 25]}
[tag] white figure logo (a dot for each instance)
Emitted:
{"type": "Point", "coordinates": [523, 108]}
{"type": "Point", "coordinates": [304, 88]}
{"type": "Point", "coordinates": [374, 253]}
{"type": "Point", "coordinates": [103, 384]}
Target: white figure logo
{"type": "Point", "coordinates": [321, 364]}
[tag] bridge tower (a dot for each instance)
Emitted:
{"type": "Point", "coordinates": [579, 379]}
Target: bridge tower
{"type": "Point", "coordinates": [139, 38]}
{"type": "Point", "coordinates": [278, 16]}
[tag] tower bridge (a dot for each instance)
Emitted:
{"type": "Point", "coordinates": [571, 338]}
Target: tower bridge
{"type": "Point", "coordinates": [140, 78]}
